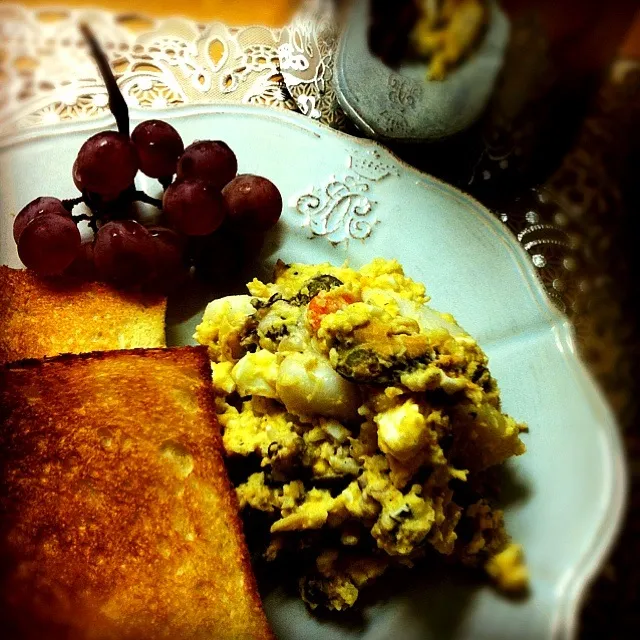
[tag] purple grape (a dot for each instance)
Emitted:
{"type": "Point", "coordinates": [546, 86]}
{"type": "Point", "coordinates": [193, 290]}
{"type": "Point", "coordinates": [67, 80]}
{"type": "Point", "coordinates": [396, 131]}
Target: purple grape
{"type": "Point", "coordinates": [159, 147]}
{"type": "Point", "coordinates": [194, 207]}
{"type": "Point", "coordinates": [106, 165]}
{"type": "Point", "coordinates": [83, 266]}
{"type": "Point", "coordinates": [124, 253]}
{"type": "Point", "coordinates": [253, 202]}
{"type": "Point", "coordinates": [34, 209]}
{"type": "Point", "coordinates": [49, 243]}
{"type": "Point", "coordinates": [170, 268]}
{"type": "Point", "coordinates": [209, 160]}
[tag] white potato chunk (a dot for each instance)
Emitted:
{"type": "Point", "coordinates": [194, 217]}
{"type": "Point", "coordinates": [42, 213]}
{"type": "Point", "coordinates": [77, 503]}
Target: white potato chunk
{"type": "Point", "coordinates": [222, 321]}
{"type": "Point", "coordinates": [308, 385]}
{"type": "Point", "coordinates": [221, 376]}
{"type": "Point", "coordinates": [220, 310]}
{"type": "Point", "coordinates": [401, 430]}
{"type": "Point", "coordinates": [430, 319]}
{"type": "Point", "coordinates": [256, 374]}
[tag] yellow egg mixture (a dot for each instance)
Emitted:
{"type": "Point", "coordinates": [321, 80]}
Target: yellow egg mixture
{"type": "Point", "coordinates": [370, 417]}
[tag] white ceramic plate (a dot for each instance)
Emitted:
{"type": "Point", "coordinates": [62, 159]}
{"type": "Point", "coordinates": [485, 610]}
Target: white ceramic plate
{"type": "Point", "coordinates": [349, 199]}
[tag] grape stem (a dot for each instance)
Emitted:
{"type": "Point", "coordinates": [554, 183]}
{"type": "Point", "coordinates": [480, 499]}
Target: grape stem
{"type": "Point", "coordinates": [70, 203]}
{"type": "Point", "coordinates": [117, 103]}
{"type": "Point", "coordinates": [81, 218]}
{"type": "Point", "coordinates": [141, 196]}
{"type": "Point", "coordinates": [92, 221]}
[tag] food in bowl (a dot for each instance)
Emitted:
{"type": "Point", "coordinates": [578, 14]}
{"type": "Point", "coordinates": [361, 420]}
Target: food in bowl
{"type": "Point", "coordinates": [369, 419]}
{"type": "Point", "coordinates": [443, 32]}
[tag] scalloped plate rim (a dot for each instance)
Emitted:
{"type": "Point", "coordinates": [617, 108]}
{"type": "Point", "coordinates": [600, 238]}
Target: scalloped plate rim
{"type": "Point", "coordinates": [572, 589]}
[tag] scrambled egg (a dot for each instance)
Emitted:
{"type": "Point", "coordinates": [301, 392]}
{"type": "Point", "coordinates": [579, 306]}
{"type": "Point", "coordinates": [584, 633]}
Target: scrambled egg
{"type": "Point", "coordinates": [370, 418]}
{"type": "Point", "coordinates": [447, 31]}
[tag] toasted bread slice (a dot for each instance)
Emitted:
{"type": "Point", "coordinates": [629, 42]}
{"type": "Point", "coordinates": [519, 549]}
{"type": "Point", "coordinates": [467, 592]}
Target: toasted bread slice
{"type": "Point", "coordinates": [117, 518]}
{"type": "Point", "coordinates": [46, 317]}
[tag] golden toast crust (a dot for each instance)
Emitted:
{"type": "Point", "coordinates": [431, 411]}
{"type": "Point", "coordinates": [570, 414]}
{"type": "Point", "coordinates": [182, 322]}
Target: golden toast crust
{"type": "Point", "coordinates": [45, 317]}
{"type": "Point", "coordinates": [117, 518]}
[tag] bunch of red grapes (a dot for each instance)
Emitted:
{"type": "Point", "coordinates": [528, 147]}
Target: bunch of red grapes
{"type": "Point", "coordinates": [212, 218]}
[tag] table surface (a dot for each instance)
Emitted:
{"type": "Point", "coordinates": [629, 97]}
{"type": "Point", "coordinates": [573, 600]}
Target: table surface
{"type": "Point", "coordinates": [562, 18]}
{"type": "Point", "coordinates": [272, 13]}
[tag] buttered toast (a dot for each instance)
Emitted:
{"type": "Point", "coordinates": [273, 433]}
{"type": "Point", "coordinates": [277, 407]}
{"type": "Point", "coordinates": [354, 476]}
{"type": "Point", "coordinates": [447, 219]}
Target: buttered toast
{"type": "Point", "coordinates": [46, 317]}
{"type": "Point", "coordinates": [117, 519]}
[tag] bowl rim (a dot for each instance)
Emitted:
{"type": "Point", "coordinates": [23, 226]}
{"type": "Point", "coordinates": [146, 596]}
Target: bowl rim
{"type": "Point", "coordinates": [493, 44]}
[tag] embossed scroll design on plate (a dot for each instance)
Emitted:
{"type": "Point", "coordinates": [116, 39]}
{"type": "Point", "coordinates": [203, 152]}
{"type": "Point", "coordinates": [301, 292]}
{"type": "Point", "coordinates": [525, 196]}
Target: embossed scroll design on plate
{"type": "Point", "coordinates": [342, 210]}
{"type": "Point", "coordinates": [403, 96]}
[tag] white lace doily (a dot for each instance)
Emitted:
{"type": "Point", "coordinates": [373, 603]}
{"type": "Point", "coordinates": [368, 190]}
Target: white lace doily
{"type": "Point", "coordinates": [47, 76]}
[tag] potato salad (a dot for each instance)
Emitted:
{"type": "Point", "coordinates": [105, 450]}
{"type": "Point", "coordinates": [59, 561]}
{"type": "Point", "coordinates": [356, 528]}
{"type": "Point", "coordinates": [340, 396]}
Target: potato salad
{"type": "Point", "coordinates": [367, 421]}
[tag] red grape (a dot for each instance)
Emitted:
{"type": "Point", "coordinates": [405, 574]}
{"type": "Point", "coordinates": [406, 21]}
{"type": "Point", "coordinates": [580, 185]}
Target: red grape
{"type": "Point", "coordinates": [75, 175]}
{"type": "Point", "coordinates": [209, 160]}
{"type": "Point", "coordinates": [83, 266]}
{"type": "Point", "coordinates": [194, 207]}
{"type": "Point", "coordinates": [253, 202]}
{"type": "Point", "coordinates": [36, 208]}
{"type": "Point", "coordinates": [224, 253]}
{"type": "Point", "coordinates": [106, 165]}
{"type": "Point", "coordinates": [170, 267]}
{"type": "Point", "coordinates": [159, 147]}
{"type": "Point", "coordinates": [218, 256]}
{"type": "Point", "coordinates": [124, 253]}
{"type": "Point", "coordinates": [49, 243]}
